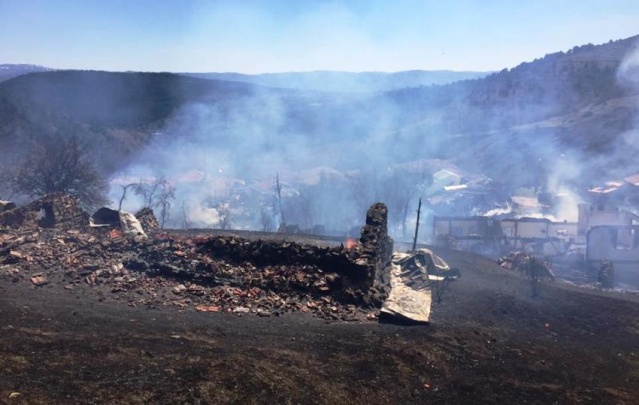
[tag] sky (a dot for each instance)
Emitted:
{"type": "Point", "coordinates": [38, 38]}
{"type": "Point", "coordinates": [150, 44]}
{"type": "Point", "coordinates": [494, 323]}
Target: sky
{"type": "Point", "coordinates": [264, 36]}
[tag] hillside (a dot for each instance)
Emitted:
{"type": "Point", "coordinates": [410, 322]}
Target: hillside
{"type": "Point", "coordinates": [115, 113]}
{"type": "Point", "coordinates": [574, 103]}
{"type": "Point", "coordinates": [562, 121]}
{"type": "Point", "coordinates": [9, 71]}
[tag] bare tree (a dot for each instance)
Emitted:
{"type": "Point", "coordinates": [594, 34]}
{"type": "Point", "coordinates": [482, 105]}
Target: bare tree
{"type": "Point", "coordinates": [398, 188]}
{"type": "Point", "coordinates": [165, 196]}
{"type": "Point", "coordinates": [148, 190]}
{"type": "Point", "coordinates": [164, 202]}
{"type": "Point", "coordinates": [266, 218]}
{"type": "Point", "coordinates": [186, 223]}
{"type": "Point", "coordinates": [6, 188]}
{"type": "Point", "coordinates": [60, 166]}
{"type": "Point", "coordinates": [123, 197]}
{"type": "Point", "coordinates": [299, 208]}
{"type": "Point", "coordinates": [224, 212]}
{"type": "Point", "coordinates": [157, 193]}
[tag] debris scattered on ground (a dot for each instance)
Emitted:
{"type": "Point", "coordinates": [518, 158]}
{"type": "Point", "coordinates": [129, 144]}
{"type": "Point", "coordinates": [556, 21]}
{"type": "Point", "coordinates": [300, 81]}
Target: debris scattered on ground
{"type": "Point", "coordinates": [207, 273]}
{"type": "Point", "coordinates": [534, 268]}
{"type": "Point", "coordinates": [39, 279]}
{"type": "Point", "coordinates": [527, 264]}
{"type": "Point", "coordinates": [606, 274]}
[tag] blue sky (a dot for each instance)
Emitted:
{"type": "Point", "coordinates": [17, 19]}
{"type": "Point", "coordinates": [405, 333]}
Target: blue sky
{"type": "Point", "coordinates": [302, 35]}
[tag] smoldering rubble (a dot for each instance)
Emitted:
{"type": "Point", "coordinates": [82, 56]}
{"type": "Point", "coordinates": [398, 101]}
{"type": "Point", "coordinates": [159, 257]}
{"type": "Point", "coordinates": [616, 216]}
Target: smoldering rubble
{"type": "Point", "coordinates": [50, 242]}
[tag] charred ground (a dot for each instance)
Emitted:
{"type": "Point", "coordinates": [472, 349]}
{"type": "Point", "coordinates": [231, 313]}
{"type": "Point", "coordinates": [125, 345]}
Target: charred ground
{"type": "Point", "coordinates": [488, 342]}
{"type": "Point", "coordinates": [76, 333]}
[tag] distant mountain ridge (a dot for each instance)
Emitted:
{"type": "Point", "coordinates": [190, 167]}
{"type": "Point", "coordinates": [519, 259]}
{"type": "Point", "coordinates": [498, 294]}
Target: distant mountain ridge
{"type": "Point", "coordinates": [347, 82]}
{"type": "Point", "coordinates": [518, 121]}
{"type": "Point", "coordinates": [327, 81]}
{"type": "Point", "coordinates": [9, 71]}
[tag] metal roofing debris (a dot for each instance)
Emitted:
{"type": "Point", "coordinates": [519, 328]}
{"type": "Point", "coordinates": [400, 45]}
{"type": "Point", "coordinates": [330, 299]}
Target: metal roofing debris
{"type": "Point", "coordinates": [411, 277]}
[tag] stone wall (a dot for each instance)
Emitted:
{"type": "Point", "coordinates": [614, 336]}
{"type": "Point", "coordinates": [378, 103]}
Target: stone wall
{"type": "Point", "coordinates": [358, 268]}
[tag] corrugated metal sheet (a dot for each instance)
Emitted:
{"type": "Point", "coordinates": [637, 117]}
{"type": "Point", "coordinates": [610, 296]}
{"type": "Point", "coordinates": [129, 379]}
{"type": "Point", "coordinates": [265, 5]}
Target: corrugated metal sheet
{"type": "Point", "coordinates": [411, 278]}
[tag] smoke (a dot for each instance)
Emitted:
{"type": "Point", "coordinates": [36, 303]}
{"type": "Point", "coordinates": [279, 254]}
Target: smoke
{"type": "Point", "coordinates": [628, 72]}
{"type": "Point", "coordinates": [228, 154]}
{"type": "Point", "coordinates": [628, 76]}
{"type": "Point", "coordinates": [228, 151]}
{"type": "Point", "coordinates": [335, 154]}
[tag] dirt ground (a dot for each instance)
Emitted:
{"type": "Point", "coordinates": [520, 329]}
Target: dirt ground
{"type": "Point", "coordinates": [488, 342]}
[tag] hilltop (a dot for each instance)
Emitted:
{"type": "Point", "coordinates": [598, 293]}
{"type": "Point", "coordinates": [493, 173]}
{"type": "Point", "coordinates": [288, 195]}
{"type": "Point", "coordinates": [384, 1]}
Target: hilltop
{"type": "Point", "coordinates": [9, 71]}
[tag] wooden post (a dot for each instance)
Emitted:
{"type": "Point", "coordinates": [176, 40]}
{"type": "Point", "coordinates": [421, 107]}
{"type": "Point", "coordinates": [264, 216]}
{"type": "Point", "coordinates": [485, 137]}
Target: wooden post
{"type": "Point", "coordinates": [419, 208]}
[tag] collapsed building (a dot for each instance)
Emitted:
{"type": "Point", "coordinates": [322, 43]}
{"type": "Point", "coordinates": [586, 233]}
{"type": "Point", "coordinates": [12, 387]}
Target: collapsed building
{"type": "Point", "coordinates": [51, 240]}
{"type": "Point", "coordinates": [55, 211]}
{"type": "Point", "coordinates": [492, 236]}
{"type": "Point", "coordinates": [117, 222]}
{"type": "Point", "coordinates": [64, 212]}
{"type": "Point", "coordinates": [602, 232]}
{"type": "Point", "coordinates": [610, 231]}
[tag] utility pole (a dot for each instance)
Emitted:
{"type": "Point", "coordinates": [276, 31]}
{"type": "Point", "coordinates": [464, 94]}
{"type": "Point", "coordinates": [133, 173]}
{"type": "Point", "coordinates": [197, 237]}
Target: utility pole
{"type": "Point", "coordinates": [419, 209]}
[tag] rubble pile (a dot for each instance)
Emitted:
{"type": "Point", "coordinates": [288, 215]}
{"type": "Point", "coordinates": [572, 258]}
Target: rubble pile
{"type": "Point", "coordinates": [206, 273]}
{"type": "Point", "coordinates": [319, 271]}
{"type": "Point", "coordinates": [147, 219]}
{"type": "Point", "coordinates": [6, 206]}
{"type": "Point", "coordinates": [527, 264]}
{"type": "Point", "coordinates": [59, 211]}
{"type": "Point", "coordinates": [270, 252]}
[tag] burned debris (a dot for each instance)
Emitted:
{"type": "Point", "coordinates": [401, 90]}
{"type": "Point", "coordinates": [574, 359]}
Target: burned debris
{"type": "Point", "coordinates": [147, 219]}
{"type": "Point", "coordinates": [210, 273]}
{"type": "Point", "coordinates": [6, 206]}
{"type": "Point", "coordinates": [410, 280]}
{"type": "Point", "coordinates": [601, 232]}
{"type": "Point", "coordinates": [606, 274]}
{"type": "Point", "coordinates": [117, 221]}
{"type": "Point", "coordinates": [55, 211]}
{"type": "Point", "coordinates": [534, 268]}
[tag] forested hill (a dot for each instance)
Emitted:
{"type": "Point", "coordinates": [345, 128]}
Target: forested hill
{"type": "Point", "coordinates": [580, 103]}
{"type": "Point", "coordinates": [115, 100]}
{"type": "Point", "coordinates": [114, 113]}
{"type": "Point", "coordinates": [545, 87]}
